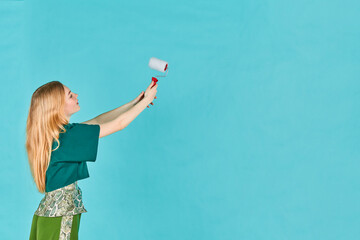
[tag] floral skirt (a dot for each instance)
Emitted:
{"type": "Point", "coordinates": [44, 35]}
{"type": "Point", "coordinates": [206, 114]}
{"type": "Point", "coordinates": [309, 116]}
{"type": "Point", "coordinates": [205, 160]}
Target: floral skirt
{"type": "Point", "coordinates": [51, 228]}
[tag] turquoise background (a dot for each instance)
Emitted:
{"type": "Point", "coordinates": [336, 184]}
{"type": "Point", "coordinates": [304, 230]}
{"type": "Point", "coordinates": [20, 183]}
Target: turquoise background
{"type": "Point", "coordinates": [254, 133]}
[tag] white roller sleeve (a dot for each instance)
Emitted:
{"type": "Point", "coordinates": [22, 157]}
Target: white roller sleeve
{"type": "Point", "coordinates": [158, 64]}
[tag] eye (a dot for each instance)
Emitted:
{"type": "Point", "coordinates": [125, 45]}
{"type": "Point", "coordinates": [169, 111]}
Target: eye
{"type": "Point", "coordinates": [70, 95]}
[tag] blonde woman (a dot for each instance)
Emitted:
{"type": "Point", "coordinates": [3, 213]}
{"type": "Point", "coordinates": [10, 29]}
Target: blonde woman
{"type": "Point", "coordinates": [58, 152]}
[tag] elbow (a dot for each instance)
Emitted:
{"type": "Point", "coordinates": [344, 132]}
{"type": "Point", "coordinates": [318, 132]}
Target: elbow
{"type": "Point", "coordinates": [111, 127]}
{"type": "Point", "coordinates": [122, 124]}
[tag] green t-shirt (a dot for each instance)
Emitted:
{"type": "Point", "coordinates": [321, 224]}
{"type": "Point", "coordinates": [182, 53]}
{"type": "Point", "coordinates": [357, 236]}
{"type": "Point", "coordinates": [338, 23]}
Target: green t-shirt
{"type": "Point", "coordinates": [78, 145]}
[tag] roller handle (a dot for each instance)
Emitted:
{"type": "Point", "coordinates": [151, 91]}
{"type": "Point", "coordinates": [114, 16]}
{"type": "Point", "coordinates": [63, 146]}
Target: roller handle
{"type": "Point", "coordinates": [154, 80]}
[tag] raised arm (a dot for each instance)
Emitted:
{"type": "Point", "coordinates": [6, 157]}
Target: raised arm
{"type": "Point", "coordinates": [110, 115]}
{"type": "Point", "coordinates": [123, 120]}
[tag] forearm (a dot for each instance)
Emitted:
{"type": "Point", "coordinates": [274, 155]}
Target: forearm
{"type": "Point", "coordinates": [127, 117]}
{"type": "Point", "coordinates": [115, 113]}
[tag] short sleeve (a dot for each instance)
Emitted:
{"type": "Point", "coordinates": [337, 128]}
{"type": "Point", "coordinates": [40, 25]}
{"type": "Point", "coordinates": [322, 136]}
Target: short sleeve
{"type": "Point", "coordinates": [79, 143]}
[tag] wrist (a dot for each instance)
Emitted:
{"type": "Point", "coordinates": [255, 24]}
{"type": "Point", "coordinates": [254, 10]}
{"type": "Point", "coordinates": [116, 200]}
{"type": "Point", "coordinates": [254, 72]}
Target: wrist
{"type": "Point", "coordinates": [147, 99]}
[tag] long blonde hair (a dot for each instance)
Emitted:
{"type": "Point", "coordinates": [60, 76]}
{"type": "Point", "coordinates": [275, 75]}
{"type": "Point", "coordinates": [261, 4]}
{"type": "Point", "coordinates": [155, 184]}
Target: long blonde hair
{"type": "Point", "coordinates": [45, 120]}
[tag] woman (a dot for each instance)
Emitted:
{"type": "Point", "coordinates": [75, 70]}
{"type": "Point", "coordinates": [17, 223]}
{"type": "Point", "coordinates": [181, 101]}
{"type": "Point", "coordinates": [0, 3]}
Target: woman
{"type": "Point", "coordinates": [58, 151]}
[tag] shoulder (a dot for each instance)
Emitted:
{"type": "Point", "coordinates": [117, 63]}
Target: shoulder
{"type": "Point", "coordinates": [73, 126]}
{"type": "Point", "coordinates": [77, 135]}
{"type": "Point", "coordinates": [82, 129]}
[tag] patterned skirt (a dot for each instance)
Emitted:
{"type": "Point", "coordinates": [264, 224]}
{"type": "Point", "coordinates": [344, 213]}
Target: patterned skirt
{"type": "Point", "coordinates": [58, 215]}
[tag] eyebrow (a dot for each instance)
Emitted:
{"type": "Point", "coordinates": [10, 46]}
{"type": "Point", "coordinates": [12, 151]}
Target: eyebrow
{"type": "Point", "coordinates": [69, 92]}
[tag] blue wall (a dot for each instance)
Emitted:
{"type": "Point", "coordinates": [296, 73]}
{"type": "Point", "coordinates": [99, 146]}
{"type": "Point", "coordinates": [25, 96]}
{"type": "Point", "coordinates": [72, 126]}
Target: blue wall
{"type": "Point", "coordinates": [253, 135]}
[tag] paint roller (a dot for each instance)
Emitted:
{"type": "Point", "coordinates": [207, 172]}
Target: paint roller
{"type": "Point", "coordinates": [158, 65]}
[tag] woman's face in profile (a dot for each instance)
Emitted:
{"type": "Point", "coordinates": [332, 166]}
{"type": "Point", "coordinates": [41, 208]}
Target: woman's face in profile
{"type": "Point", "coordinates": [71, 102]}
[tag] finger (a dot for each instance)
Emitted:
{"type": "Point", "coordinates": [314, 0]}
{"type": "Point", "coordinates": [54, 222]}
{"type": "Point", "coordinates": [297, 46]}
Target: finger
{"type": "Point", "coordinates": [152, 82]}
{"type": "Point", "coordinates": [151, 103]}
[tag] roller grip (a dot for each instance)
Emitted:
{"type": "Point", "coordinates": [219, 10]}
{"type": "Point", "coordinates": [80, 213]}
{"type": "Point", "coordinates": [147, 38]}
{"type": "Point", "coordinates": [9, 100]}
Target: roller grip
{"type": "Point", "coordinates": [154, 80]}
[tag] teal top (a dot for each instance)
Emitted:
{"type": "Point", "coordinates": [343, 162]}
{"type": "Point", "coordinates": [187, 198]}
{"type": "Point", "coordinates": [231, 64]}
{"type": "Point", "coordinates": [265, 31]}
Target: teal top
{"type": "Point", "coordinates": [78, 145]}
